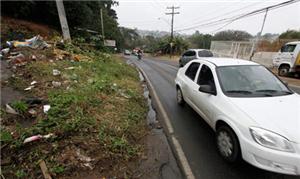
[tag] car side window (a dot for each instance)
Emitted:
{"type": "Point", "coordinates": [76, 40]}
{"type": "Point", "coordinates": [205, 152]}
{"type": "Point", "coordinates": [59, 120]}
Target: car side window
{"type": "Point", "coordinates": [193, 53]}
{"type": "Point", "coordinates": [206, 77]}
{"type": "Point", "coordinates": [192, 70]}
{"type": "Point", "coordinates": [188, 54]}
{"type": "Point", "coordinates": [288, 48]}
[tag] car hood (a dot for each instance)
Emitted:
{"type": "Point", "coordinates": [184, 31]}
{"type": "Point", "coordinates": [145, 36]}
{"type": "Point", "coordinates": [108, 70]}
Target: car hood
{"type": "Point", "coordinates": [279, 114]}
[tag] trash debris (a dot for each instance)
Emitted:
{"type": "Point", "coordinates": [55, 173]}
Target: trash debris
{"type": "Point", "coordinates": [44, 169]}
{"type": "Point", "coordinates": [70, 68]}
{"type": "Point", "coordinates": [18, 60]}
{"type": "Point", "coordinates": [76, 58]}
{"type": "Point", "coordinates": [10, 110]}
{"type": "Point", "coordinates": [56, 84]}
{"type": "Point", "coordinates": [5, 51]}
{"type": "Point", "coordinates": [32, 112]}
{"type": "Point", "coordinates": [35, 42]}
{"type": "Point", "coordinates": [29, 88]}
{"type": "Point", "coordinates": [90, 81]}
{"type": "Point", "coordinates": [33, 57]}
{"type": "Point", "coordinates": [46, 108]}
{"type": "Point", "coordinates": [85, 159]}
{"type": "Point", "coordinates": [33, 83]}
{"type": "Point", "coordinates": [48, 136]}
{"type": "Point", "coordinates": [37, 137]}
{"type": "Point", "coordinates": [125, 95]}
{"type": "Point", "coordinates": [56, 72]}
{"type": "Point", "coordinates": [32, 138]}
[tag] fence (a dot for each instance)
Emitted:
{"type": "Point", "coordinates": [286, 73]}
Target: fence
{"type": "Point", "coordinates": [233, 49]}
{"type": "Point", "coordinates": [242, 50]}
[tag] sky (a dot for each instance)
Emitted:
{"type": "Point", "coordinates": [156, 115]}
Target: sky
{"type": "Point", "coordinates": [150, 15]}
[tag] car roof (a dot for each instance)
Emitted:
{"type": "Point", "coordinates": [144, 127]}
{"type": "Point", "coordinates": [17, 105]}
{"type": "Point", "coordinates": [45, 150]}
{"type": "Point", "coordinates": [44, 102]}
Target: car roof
{"type": "Point", "coordinates": [295, 42]}
{"type": "Point", "coordinates": [198, 49]}
{"type": "Point", "coordinates": [220, 61]}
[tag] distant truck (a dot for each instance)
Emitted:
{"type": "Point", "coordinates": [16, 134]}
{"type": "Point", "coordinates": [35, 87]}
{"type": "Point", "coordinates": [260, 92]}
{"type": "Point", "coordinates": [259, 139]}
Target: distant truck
{"type": "Point", "coordinates": [287, 60]}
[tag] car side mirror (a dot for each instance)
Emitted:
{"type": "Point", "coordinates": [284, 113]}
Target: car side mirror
{"type": "Point", "coordinates": [207, 89]}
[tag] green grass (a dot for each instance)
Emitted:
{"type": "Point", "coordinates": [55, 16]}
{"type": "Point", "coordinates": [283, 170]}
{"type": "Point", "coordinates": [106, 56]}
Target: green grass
{"type": "Point", "coordinates": [19, 106]}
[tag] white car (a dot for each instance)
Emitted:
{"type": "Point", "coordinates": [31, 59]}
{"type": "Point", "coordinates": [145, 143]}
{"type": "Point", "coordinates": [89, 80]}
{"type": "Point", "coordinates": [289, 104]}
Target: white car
{"type": "Point", "coordinates": [255, 115]}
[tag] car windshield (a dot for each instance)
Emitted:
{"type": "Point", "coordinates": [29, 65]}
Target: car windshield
{"type": "Point", "coordinates": [250, 81]}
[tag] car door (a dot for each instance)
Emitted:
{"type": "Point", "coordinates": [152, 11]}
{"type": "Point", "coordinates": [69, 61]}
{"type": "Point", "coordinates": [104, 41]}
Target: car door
{"type": "Point", "coordinates": [189, 81]}
{"type": "Point", "coordinates": [203, 101]}
{"type": "Point", "coordinates": [286, 54]}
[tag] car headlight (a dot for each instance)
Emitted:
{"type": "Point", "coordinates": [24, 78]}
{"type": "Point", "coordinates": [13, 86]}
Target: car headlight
{"type": "Point", "coordinates": [271, 140]}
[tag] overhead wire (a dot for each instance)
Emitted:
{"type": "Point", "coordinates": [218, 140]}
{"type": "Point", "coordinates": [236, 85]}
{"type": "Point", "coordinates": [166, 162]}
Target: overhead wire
{"type": "Point", "coordinates": [237, 17]}
{"type": "Point", "coordinates": [230, 12]}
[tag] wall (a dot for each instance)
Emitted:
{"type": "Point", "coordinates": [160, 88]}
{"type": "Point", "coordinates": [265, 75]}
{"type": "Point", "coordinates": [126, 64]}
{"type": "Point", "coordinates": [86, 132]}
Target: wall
{"type": "Point", "coordinates": [241, 50]}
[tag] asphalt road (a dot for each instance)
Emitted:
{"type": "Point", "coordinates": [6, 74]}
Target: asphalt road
{"type": "Point", "coordinates": [194, 135]}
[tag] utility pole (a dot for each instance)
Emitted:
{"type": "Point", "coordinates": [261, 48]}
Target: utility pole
{"type": "Point", "coordinates": [102, 26]}
{"type": "Point", "coordinates": [254, 46]}
{"type": "Point", "coordinates": [172, 26]}
{"type": "Point", "coordinates": [63, 20]}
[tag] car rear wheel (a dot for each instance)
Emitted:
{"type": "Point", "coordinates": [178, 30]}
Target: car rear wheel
{"type": "Point", "coordinates": [179, 97]}
{"type": "Point", "coordinates": [228, 144]}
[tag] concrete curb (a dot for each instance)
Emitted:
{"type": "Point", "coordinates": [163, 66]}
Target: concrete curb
{"type": "Point", "coordinates": [183, 162]}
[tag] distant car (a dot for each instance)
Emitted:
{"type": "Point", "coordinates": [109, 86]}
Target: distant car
{"type": "Point", "coordinates": [127, 52]}
{"type": "Point", "coordinates": [256, 117]}
{"type": "Point", "coordinates": [192, 54]}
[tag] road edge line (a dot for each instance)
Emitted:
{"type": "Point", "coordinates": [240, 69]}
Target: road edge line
{"type": "Point", "coordinates": [294, 86]}
{"type": "Point", "coordinates": [179, 151]}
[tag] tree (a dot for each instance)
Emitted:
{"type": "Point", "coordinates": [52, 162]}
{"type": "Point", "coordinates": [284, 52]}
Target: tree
{"type": "Point", "coordinates": [232, 35]}
{"type": "Point", "coordinates": [129, 38]}
{"type": "Point", "coordinates": [83, 14]}
{"type": "Point", "coordinates": [290, 34]}
{"type": "Point", "coordinates": [198, 40]}
{"type": "Point", "coordinates": [179, 45]}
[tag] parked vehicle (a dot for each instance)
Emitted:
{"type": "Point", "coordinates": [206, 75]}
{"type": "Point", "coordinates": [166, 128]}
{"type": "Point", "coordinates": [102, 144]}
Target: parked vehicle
{"type": "Point", "coordinates": [287, 59]}
{"type": "Point", "coordinates": [192, 54]}
{"type": "Point", "coordinates": [127, 52]}
{"type": "Point", "coordinates": [256, 117]}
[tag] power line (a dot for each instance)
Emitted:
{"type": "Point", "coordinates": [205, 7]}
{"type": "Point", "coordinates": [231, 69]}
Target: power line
{"type": "Point", "coordinates": [237, 17]}
{"type": "Point", "coordinates": [236, 10]}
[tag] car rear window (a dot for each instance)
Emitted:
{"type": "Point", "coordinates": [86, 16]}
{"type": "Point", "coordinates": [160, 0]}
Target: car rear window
{"type": "Point", "coordinates": [205, 53]}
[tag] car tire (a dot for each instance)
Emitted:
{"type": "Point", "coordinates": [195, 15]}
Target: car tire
{"type": "Point", "coordinates": [179, 97]}
{"type": "Point", "coordinates": [228, 144]}
{"type": "Point", "coordinates": [283, 70]}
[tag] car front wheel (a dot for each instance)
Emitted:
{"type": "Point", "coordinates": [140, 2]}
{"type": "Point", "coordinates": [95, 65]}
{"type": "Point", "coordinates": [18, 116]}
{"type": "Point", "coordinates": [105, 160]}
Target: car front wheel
{"type": "Point", "coordinates": [228, 144]}
{"type": "Point", "coordinates": [180, 99]}
{"type": "Point", "coordinates": [283, 70]}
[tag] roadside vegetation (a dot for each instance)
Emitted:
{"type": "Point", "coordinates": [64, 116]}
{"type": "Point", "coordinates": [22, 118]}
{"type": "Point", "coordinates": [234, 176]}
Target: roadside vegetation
{"type": "Point", "coordinates": [96, 120]}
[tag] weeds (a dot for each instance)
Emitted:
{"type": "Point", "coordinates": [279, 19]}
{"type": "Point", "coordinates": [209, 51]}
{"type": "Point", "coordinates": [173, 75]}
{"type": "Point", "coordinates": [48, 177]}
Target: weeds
{"type": "Point", "coordinates": [57, 169]}
{"type": "Point", "coordinates": [5, 136]}
{"type": "Point", "coordinates": [101, 100]}
{"type": "Point", "coordinates": [20, 106]}
{"type": "Point", "coordinates": [20, 174]}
